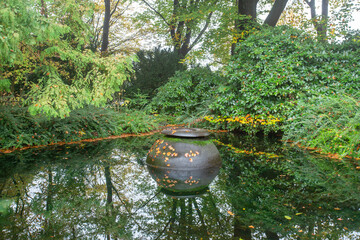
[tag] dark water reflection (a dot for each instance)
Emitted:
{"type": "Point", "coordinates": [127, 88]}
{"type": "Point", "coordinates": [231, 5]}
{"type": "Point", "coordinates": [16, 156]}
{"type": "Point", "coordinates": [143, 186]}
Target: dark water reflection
{"type": "Point", "coordinates": [104, 191]}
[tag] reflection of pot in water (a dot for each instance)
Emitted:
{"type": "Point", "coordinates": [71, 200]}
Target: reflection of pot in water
{"type": "Point", "coordinates": [183, 165]}
{"type": "Point", "coordinates": [185, 194]}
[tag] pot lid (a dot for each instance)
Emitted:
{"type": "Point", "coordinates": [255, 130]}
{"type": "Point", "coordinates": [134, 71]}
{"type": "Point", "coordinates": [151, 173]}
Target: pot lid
{"type": "Point", "coordinates": [186, 132]}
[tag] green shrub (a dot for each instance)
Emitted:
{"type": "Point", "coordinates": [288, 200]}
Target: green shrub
{"type": "Point", "coordinates": [137, 101]}
{"type": "Point", "coordinates": [274, 67]}
{"type": "Point", "coordinates": [152, 70]}
{"type": "Point", "coordinates": [330, 123]}
{"type": "Point", "coordinates": [187, 93]}
{"type": "Point", "coordinates": [19, 129]}
{"type": "Point", "coordinates": [136, 122]}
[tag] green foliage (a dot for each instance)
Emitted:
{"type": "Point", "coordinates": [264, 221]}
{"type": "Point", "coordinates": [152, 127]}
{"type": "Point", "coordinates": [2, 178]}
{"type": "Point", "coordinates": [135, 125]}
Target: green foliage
{"type": "Point", "coordinates": [45, 60]}
{"type": "Point", "coordinates": [136, 122]}
{"type": "Point", "coordinates": [19, 128]}
{"type": "Point", "coordinates": [247, 124]}
{"type": "Point", "coordinates": [152, 70]}
{"type": "Point", "coordinates": [55, 97]}
{"type": "Point", "coordinates": [182, 23]}
{"type": "Point", "coordinates": [137, 101]}
{"type": "Point", "coordinates": [330, 123]}
{"type": "Point", "coordinates": [274, 67]}
{"type": "Point", "coordinates": [187, 93]}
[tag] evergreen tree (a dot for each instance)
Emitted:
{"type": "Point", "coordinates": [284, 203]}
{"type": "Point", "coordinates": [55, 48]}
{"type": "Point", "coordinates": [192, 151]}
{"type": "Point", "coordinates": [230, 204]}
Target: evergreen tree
{"type": "Point", "coordinates": [153, 70]}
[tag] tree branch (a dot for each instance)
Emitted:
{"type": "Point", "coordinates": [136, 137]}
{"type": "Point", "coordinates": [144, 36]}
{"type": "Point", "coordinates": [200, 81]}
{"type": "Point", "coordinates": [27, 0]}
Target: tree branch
{"type": "Point", "coordinates": [308, 2]}
{"type": "Point", "coordinates": [155, 11]}
{"type": "Point", "coordinates": [116, 5]}
{"type": "Point", "coordinates": [311, 4]}
{"type": "Point", "coordinates": [43, 9]}
{"type": "Point", "coordinates": [202, 31]}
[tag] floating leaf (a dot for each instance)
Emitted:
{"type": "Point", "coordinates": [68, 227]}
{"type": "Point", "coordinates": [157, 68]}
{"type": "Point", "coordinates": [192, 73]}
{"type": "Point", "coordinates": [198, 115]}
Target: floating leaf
{"type": "Point", "coordinates": [229, 212]}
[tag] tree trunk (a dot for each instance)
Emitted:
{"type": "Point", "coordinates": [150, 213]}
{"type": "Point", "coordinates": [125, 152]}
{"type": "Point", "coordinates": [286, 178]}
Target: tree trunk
{"type": "Point", "coordinates": [106, 28]}
{"type": "Point", "coordinates": [49, 196]}
{"type": "Point", "coordinates": [324, 19]}
{"type": "Point", "coordinates": [247, 7]}
{"type": "Point", "coordinates": [271, 235]}
{"type": "Point", "coordinates": [275, 12]}
{"type": "Point", "coordinates": [247, 15]}
{"type": "Point", "coordinates": [43, 9]}
{"type": "Point", "coordinates": [320, 25]}
{"type": "Point", "coordinates": [109, 185]}
{"type": "Point", "coordinates": [241, 231]}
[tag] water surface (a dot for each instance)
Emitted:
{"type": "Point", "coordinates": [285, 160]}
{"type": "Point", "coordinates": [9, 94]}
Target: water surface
{"type": "Point", "coordinates": [103, 190]}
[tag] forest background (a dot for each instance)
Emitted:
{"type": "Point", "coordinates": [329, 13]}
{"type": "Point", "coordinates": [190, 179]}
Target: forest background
{"type": "Point", "coordinates": [73, 70]}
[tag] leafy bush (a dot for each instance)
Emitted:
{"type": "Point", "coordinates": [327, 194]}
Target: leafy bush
{"type": "Point", "coordinates": [187, 93]}
{"type": "Point", "coordinates": [137, 101]}
{"type": "Point", "coordinates": [18, 128]}
{"type": "Point", "coordinates": [248, 124]}
{"type": "Point", "coordinates": [274, 67]}
{"type": "Point", "coordinates": [45, 62]}
{"type": "Point", "coordinates": [136, 122]}
{"type": "Point", "coordinates": [330, 123]}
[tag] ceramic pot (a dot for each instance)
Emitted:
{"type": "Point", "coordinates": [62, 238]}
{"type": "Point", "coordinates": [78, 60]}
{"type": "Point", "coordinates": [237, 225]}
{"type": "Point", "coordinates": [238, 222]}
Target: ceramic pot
{"type": "Point", "coordinates": [183, 165]}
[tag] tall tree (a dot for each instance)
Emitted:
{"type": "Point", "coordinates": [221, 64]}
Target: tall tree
{"type": "Point", "coordinates": [249, 10]}
{"type": "Point", "coordinates": [153, 69]}
{"type": "Point", "coordinates": [45, 61]}
{"type": "Point", "coordinates": [106, 26]}
{"type": "Point", "coordinates": [275, 12]}
{"type": "Point", "coordinates": [186, 21]}
{"type": "Point", "coordinates": [320, 22]}
{"type": "Point", "coordinates": [328, 18]}
{"type": "Point", "coordinates": [114, 29]}
{"type": "Point", "coordinates": [247, 19]}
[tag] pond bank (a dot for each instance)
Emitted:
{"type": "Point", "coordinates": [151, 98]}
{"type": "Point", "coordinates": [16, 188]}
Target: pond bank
{"type": "Point", "coordinates": [124, 135]}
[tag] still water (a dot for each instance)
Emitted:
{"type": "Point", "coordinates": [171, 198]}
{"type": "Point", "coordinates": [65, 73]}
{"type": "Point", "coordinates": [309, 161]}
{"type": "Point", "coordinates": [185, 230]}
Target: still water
{"type": "Point", "coordinates": [105, 190]}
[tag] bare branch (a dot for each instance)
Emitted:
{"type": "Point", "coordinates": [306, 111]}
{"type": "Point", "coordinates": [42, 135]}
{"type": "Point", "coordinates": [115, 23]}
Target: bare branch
{"type": "Point", "coordinates": [155, 11]}
{"type": "Point", "coordinates": [202, 31]}
{"type": "Point", "coordinates": [116, 5]}
{"type": "Point", "coordinates": [43, 9]}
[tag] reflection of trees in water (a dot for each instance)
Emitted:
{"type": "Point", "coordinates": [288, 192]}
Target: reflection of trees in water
{"type": "Point", "coordinates": [103, 192]}
{"type": "Point", "coordinates": [294, 196]}
{"type": "Point", "coordinates": [77, 192]}
{"type": "Point", "coordinates": [167, 217]}
{"type": "Point", "coordinates": [60, 199]}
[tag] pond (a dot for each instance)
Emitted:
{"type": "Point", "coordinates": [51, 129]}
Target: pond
{"type": "Point", "coordinates": [104, 190]}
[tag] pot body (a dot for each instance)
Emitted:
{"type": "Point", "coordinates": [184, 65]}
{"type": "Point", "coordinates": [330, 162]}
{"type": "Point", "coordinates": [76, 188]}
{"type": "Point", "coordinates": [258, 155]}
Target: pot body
{"type": "Point", "coordinates": [183, 165]}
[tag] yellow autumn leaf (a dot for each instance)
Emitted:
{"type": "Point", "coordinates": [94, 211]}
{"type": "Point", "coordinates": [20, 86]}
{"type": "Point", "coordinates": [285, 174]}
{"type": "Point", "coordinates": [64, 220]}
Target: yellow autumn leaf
{"type": "Point", "coordinates": [287, 217]}
{"type": "Point", "coordinates": [229, 212]}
